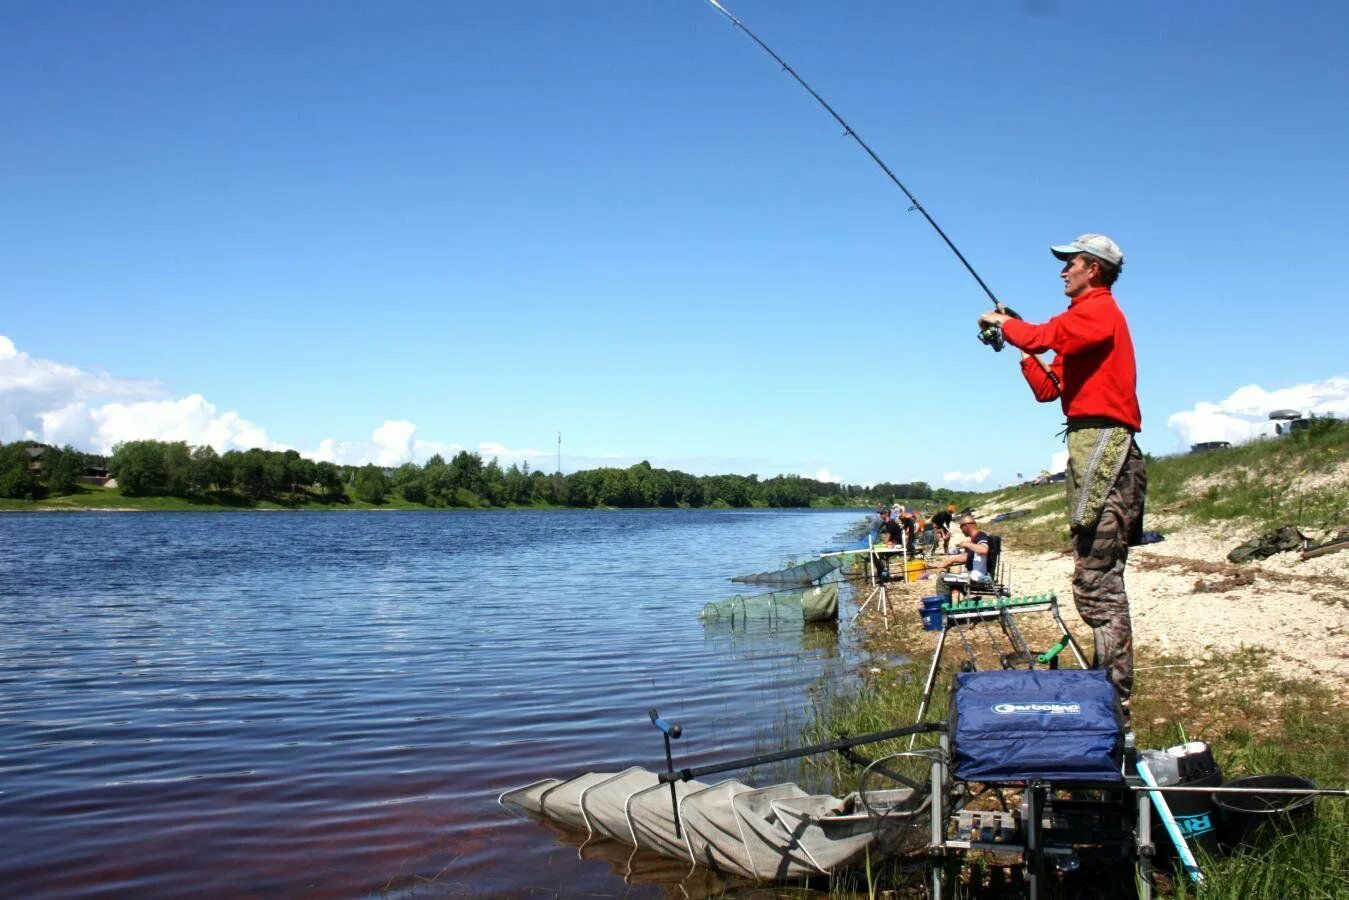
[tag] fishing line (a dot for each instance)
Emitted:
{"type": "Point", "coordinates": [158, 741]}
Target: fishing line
{"type": "Point", "coordinates": [849, 132]}
{"type": "Point", "coordinates": [992, 336]}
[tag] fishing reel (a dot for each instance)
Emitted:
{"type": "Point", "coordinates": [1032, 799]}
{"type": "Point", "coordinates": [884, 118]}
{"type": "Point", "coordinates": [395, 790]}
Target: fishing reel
{"type": "Point", "coordinates": [992, 337]}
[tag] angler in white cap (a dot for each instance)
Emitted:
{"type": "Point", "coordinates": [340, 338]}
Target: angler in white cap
{"type": "Point", "coordinates": [1094, 377]}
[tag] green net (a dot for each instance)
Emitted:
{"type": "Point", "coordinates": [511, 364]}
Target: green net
{"type": "Point", "coordinates": [798, 575]}
{"type": "Point", "coordinates": [817, 604]}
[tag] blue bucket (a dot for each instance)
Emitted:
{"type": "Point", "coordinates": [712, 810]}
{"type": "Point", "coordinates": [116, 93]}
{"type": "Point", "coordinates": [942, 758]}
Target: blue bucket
{"type": "Point", "coordinates": [931, 612]}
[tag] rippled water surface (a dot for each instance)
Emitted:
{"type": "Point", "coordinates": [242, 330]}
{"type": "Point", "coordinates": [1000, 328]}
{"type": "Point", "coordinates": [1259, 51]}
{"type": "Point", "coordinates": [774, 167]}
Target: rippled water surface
{"type": "Point", "coordinates": [327, 704]}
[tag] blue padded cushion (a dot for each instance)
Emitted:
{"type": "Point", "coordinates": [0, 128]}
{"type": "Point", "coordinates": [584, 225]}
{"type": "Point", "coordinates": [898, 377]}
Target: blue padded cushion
{"type": "Point", "coordinates": [1054, 725]}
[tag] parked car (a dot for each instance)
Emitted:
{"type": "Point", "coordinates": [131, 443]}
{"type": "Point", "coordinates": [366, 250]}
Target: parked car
{"type": "Point", "coordinates": [1286, 421]}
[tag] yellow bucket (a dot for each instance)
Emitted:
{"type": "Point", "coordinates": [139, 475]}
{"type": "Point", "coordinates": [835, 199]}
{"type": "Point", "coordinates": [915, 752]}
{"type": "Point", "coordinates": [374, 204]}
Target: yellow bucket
{"type": "Point", "coordinates": [913, 569]}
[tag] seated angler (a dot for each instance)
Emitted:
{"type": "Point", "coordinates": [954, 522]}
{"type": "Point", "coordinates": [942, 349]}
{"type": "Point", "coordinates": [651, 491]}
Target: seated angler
{"type": "Point", "coordinates": [972, 553]}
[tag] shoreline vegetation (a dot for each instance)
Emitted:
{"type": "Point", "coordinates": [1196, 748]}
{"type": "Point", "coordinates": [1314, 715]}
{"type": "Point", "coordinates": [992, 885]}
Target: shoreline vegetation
{"type": "Point", "coordinates": [163, 476]}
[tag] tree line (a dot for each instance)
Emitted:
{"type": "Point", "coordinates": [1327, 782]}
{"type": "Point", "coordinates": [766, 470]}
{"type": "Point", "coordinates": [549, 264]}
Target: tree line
{"type": "Point", "coordinates": [152, 468]}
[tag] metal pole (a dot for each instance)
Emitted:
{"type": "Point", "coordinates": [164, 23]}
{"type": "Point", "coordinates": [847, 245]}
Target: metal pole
{"type": "Point", "coordinates": [872, 596]}
{"type": "Point", "coordinates": [1144, 847]}
{"type": "Point", "coordinates": [937, 824]}
{"type": "Point", "coordinates": [1072, 641]}
{"type": "Point", "coordinates": [931, 681]}
{"type": "Point", "coordinates": [842, 743]}
{"type": "Point", "coordinates": [668, 730]}
{"type": "Point", "coordinates": [1282, 792]}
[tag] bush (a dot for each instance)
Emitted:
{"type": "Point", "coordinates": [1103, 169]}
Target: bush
{"type": "Point", "coordinates": [15, 479]}
{"type": "Point", "coordinates": [139, 468]}
{"type": "Point", "coordinates": [369, 485]}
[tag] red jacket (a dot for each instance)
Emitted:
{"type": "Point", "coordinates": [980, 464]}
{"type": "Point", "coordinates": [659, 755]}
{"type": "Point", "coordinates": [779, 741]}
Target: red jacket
{"type": "Point", "coordinates": [1094, 359]}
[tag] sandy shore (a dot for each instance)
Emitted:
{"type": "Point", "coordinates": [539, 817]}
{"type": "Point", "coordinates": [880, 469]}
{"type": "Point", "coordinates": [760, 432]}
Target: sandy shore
{"type": "Point", "coordinates": [1188, 602]}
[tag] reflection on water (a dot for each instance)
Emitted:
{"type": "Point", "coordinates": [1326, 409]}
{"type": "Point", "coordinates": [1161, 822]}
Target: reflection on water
{"type": "Point", "coordinates": [644, 868]}
{"type": "Point", "coordinates": [328, 703]}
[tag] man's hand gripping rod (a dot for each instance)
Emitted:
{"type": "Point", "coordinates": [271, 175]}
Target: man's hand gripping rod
{"type": "Point", "coordinates": [991, 335]}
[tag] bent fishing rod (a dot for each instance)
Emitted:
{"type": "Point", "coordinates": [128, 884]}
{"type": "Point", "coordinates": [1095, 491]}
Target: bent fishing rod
{"type": "Point", "coordinates": [991, 336]}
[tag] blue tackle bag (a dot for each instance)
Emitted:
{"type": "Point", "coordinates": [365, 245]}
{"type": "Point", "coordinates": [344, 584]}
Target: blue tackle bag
{"type": "Point", "coordinates": [1052, 725]}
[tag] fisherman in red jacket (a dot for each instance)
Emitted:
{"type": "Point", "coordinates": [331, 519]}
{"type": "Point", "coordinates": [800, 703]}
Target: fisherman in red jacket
{"type": "Point", "coordinates": [1093, 375]}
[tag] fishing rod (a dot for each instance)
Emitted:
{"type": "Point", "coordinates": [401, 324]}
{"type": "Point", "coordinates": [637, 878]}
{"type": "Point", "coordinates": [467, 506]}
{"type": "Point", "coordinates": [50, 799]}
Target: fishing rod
{"type": "Point", "coordinates": [991, 336]}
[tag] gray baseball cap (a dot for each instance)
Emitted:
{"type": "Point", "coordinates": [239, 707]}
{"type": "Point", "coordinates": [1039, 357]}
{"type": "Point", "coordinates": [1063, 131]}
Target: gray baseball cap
{"type": "Point", "coordinates": [1097, 245]}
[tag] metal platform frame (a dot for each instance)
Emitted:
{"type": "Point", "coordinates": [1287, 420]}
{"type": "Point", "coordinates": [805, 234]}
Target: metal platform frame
{"type": "Point", "coordinates": [1108, 817]}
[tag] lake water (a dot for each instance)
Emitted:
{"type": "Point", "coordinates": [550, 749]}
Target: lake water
{"type": "Point", "coordinates": [328, 704]}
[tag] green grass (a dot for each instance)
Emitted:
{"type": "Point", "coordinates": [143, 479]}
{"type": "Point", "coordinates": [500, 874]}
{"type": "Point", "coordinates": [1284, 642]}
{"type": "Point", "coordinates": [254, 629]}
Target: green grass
{"type": "Point", "coordinates": [887, 700]}
{"type": "Point", "coordinates": [1310, 864]}
{"type": "Point", "coordinates": [1256, 480]}
{"type": "Point", "coordinates": [91, 497]}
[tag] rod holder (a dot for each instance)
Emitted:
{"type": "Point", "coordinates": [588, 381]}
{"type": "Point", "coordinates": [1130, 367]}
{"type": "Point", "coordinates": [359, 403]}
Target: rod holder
{"type": "Point", "coordinates": [669, 731]}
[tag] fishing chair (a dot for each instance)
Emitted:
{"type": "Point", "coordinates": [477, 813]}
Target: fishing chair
{"type": "Point", "coordinates": [998, 583]}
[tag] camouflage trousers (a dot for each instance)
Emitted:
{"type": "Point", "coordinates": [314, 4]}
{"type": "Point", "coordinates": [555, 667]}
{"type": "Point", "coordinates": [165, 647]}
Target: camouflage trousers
{"type": "Point", "coordinates": [1103, 527]}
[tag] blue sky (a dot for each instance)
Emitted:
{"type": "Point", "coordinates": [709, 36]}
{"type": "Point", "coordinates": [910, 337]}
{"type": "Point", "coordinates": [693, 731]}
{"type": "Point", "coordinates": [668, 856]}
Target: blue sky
{"type": "Point", "coordinates": [374, 232]}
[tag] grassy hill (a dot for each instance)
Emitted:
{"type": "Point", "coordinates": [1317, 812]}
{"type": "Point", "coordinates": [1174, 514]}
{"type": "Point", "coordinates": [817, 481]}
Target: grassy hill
{"type": "Point", "coordinates": [1301, 479]}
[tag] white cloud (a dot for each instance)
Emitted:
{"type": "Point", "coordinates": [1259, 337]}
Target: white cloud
{"type": "Point", "coordinates": [332, 451]}
{"type": "Point", "coordinates": [1209, 422]}
{"type": "Point", "coordinates": [391, 444]}
{"type": "Point", "coordinates": [1058, 462]}
{"type": "Point", "coordinates": [395, 442]}
{"type": "Point", "coordinates": [507, 457]}
{"type": "Point", "coordinates": [47, 401]}
{"type": "Point", "coordinates": [60, 404]}
{"type": "Point", "coordinates": [979, 476]}
{"type": "Point", "coordinates": [55, 403]}
{"type": "Point", "coordinates": [32, 388]}
{"type": "Point", "coordinates": [1245, 413]}
{"type": "Point", "coordinates": [192, 419]}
